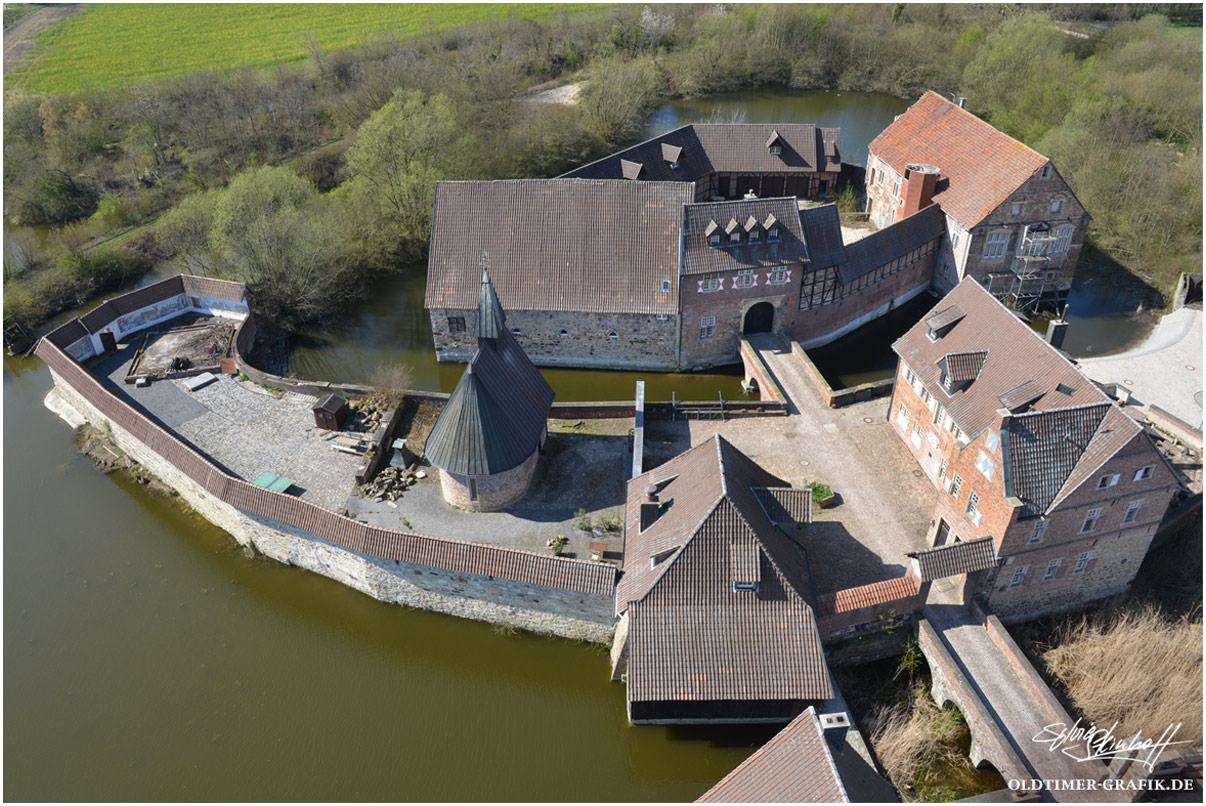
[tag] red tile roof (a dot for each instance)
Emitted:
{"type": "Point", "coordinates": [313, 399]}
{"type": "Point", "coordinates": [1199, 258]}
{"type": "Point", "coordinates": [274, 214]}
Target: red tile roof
{"type": "Point", "coordinates": [796, 766]}
{"type": "Point", "coordinates": [979, 167]}
{"type": "Point", "coordinates": [876, 593]}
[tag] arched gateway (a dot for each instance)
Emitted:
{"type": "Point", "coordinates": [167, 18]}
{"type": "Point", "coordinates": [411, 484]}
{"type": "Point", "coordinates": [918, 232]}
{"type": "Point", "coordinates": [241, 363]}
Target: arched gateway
{"type": "Point", "coordinates": [760, 318]}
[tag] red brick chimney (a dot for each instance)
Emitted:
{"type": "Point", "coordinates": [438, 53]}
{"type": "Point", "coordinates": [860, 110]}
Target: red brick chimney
{"type": "Point", "coordinates": [917, 190]}
{"type": "Point", "coordinates": [651, 510]}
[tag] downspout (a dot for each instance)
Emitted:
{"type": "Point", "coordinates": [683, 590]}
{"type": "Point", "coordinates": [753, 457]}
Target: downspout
{"type": "Point", "coordinates": [678, 319]}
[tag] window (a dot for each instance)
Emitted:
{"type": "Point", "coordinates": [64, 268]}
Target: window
{"type": "Point", "coordinates": [564, 333]}
{"type": "Point", "coordinates": [896, 187]}
{"type": "Point", "coordinates": [942, 471]}
{"type": "Point", "coordinates": [1018, 576]}
{"type": "Point", "coordinates": [707, 327]}
{"type": "Point", "coordinates": [1016, 209]}
{"type": "Point", "coordinates": [472, 489]}
{"type": "Point", "coordinates": [1092, 521]}
{"type": "Point", "coordinates": [973, 507]}
{"type": "Point", "coordinates": [772, 234]}
{"type": "Point", "coordinates": [735, 238]}
{"type": "Point", "coordinates": [665, 286]}
{"type": "Point", "coordinates": [1144, 473]}
{"type": "Point", "coordinates": [612, 335]}
{"type": "Point", "coordinates": [1134, 512]}
{"type": "Point", "coordinates": [775, 150]}
{"type": "Point", "coordinates": [714, 239]}
{"type": "Point", "coordinates": [955, 240]}
{"type": "Point", "coordinates": [777, 277]}
{"type": "Point", "coordinates": [956, 484]}
{"type": "Point", "coordinates": [916, 438]}
{"type": "Point", "coordinates": [956, 432]}
{"type": "Point", "coordinates": [755, 235]}
{"type": "Point", "coordinates": [745, 278]}
{"type": "Point", "coordinates": [516, 332]}
{"type": "Point", "coordinates": [1052, 567]}
{"type": "Point", "coordinates": [1107, 481]}
{"type": "Point", "coordinates": [984, 465]}
{"type": "Point", "coordinates": [1063, 240]}
{"type": "Point", "coordinates": [910, 377]}
{"type": "Point", "coordinates": [1046, 171]}
{"type": "Point", "coordinates": [1037, 535]}
{"type": "Point", "coordinates": [1057, 205]}
{"type": "Point", "coordinates": [710, 284]}
{"type": "Point", "coordinates": [902, 417]}
{"type": "Point", "coordinates": [456, 324]}
{"type": "Point", "coordinates": [744, 586]}
{"type": "Point", "coordinates": [1082, 562]}
{"type": "Point", "coordinates": [926, 397]}
{"type": "Point", "coordinates": [996, 244]}
{"type": "Point", "coordinates": [939, 413]}
{"type": "Point", "coordinates": [818, 288]}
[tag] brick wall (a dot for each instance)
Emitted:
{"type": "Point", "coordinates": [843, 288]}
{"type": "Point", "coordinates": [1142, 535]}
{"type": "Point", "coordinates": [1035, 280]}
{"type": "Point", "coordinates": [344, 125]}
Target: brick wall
{"type": "Point", "coordinates": [728, 307]}
{"type": "Point", "coordinates": [641, 341]}
{"type": "Point", "coordinates": [506, 586]}
{"type": "Point", "coordinates": [493, 492]}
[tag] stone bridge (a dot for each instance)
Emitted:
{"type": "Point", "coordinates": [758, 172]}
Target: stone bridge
{"type": "Point", "coordinates": [976, 666]}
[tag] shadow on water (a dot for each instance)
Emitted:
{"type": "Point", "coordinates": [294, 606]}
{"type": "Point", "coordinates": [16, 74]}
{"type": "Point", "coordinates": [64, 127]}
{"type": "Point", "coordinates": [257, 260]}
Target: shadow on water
{"type": "Point", "coordinates": [865, 355]}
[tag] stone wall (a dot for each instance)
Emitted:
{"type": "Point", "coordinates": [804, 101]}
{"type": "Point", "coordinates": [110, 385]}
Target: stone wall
{"type": "Point", "coordinates": [570, 339]}
{"type": "Point", "coordinates": [486, 597]}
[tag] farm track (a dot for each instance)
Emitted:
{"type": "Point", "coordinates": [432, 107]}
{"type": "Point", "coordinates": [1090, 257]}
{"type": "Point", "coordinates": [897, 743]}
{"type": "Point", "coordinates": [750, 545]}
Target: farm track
{"type": "Point", "coordinates": [20, 40]}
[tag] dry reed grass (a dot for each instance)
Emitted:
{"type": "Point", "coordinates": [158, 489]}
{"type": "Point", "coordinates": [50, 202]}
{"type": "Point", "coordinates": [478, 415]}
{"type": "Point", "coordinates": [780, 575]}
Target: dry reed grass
{"type": "Point", "coordinates": [1138, 667]}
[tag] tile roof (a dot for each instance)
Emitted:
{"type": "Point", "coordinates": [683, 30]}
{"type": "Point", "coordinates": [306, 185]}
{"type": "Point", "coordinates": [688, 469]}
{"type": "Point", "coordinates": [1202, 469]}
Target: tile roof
{"type": "Point", "coordinates": [876, 593]}
{"type": "Point", "coordinates": [100, 316]}
{"type": "Point", "coordinates": [963, 367]}
{"type": "Point", "coordinates": [1045, 448]}
{"type": "Point", "coordinates": [707, 148]}
{"type": "Point", "coordinates": [67, 334]}
{"type": "Point", "coordinates": [979, 166]}
{"type": "Point", "coordinates": [700, 258]}
{"type": "Point", "coordinates": [944, 318]}
{"type": "Point", "coordinates": [692, 636]}
{"type": "Point", "coordinates": [495, 417]}
{"type": "Point", "coordinates": [885, 245]}
{"type": "Point", "coordinates": [823, 236]}
{"type": "Point", "coordinates": [785, 504]}
{"type": "Point", "coordinates": [558, 244]}
{"type": "Point", "coordinates": [961, 557]}
{"type": "Point", "coordinates": [1020, 395]}
{"type": "Point", "coordinates": [796, 766]}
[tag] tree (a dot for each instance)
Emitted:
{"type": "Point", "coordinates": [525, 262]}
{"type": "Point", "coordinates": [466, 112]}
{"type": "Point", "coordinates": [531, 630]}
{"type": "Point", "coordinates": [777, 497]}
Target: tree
{"type": "Point", "coordinates": [399, 153]}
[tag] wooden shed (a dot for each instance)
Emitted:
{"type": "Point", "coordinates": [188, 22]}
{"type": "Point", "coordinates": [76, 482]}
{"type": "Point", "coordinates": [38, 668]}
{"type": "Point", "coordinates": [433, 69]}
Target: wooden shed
{"type": "Point", "coordinates": [331, 412]}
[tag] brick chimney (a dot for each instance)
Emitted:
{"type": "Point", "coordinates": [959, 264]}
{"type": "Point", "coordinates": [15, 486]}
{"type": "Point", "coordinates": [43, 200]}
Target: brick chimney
{"type": "Point", "coordinates": [917, 189]}
{"type": "Point", "coordinates": [650, 508]}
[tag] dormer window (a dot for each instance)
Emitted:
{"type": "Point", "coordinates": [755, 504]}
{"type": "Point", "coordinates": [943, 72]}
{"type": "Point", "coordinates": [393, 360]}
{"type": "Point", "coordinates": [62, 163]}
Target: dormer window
{"type": "Point", "coordinates": [735, 238]}
{"type": "Point", "coordinates": [665, 286]}
{"type": "Point", "coordinates": [774, 144]}
{"type": "Point", "coordinates": [755, 235]}
{"type": "Point", "coordinates": [771, 225]}
{"type": "Point", "coordinates": [742, 585]}
{"type": "Point", "coordinates": [714, 239]}
{"type": "Point", "coordinates": [713, 233]}
{"type": "Point", "coordinates": [772, 234]}
{"type": "Point", "coordinates": [671, 154]}
{"type": "Point", "coordinates": [733, 230]}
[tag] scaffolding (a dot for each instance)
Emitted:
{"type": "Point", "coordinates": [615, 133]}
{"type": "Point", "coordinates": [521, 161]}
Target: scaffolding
{"type": "Point", "coordinates": [1032, 281]}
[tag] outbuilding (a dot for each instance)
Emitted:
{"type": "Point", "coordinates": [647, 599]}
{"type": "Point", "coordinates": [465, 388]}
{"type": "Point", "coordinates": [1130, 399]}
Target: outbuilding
{"type": "Point", "coordinates": [331, 412]}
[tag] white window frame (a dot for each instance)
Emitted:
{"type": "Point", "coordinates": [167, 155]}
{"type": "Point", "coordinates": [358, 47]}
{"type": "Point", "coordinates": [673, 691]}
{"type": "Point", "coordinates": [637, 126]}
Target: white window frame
{"type": "Point", "coordinates": [1056, 206]}
{"type": "Point", "coordinates": [1016, 210]}
{"type": "Point", "coordinates": [735, 238]}
{"type": "Point", "coordinates": [755, 235]}
{"type": "Point", "coordinates": [996, 244]}
{"type": "Point", "coordinates": [1108, 480]}
{"type": "Point", "coordinates": [777, 277]}
{"type": "Point", "coordinates": [665, 286]}
{"type": "Point", "coordinates": [1063, 241]}
{"type": "Point", "coordinates": [1081, 562]}
{"type": "Point", "coordinates": [1091, 522]}
{"type": "Point", "coordinates": [710, 284]}
{"type": "Point", "coordinates": [707, 327]}
{"type": "Point", "coordinates": [985, 465]}
{"type": "Point", "coordinates": [902, 418]}
{"type": "Point", "coordinates": [613, 336]}
{"type": "Point", "coordinates": [1052, 567]}
{"type": "Point", "coordinates": [714, 240]}
{"type": "Point", "coordinates": [915, 437]}
{"type": "Point", "coordinates": [772, 234]}
{"type": "Point", "coordinates": [1144, 473]}
{"type": "Point", "coordinates": [745, 278]}
{"type": "Point", "coordinates": [956, 486]}
{"type": "Point", "coordinates": [1018, 576]}
{"type": "Point", "coordinates": [1039, 528]}
{"type": "Point", "coordinates": [939, 414]}
{"type": "Point", "coordinates": [1132, 511]}
{"type": "Point", "coordinates": [973, 507]}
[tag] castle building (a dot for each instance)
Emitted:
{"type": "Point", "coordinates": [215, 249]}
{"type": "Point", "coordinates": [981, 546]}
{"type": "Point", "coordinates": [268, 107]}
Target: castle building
{"type": "Point", "coordinates": [1012, 222]}
{"type": "Point", "coordinates": [487, 438]}
{"type": "Point", "coordinates": [730, 161]}
{"type": "Point", "coordinates": [1027, 451]}
{"type": "Point", "coordinates": [715, 604]}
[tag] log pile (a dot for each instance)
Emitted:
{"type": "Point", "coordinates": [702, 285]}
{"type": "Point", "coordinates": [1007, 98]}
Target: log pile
{"type": "Point", "coordinates": [391, 483]}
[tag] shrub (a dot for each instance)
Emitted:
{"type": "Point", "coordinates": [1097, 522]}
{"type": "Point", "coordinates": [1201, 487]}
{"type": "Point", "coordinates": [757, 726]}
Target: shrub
{"type": "Point", "coordinates": [582, 520]}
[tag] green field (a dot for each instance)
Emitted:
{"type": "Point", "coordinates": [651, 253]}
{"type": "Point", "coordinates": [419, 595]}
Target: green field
{"type": "Point", "coordinates": [109, 45]}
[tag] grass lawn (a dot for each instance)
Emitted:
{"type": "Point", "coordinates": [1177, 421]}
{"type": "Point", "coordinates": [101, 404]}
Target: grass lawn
{"type": "Point", "coordinates": [107, 45]}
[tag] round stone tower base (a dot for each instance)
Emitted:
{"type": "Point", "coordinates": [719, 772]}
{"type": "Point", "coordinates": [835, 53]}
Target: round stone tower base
{"type": "Point", "coordinates": [494, 492]}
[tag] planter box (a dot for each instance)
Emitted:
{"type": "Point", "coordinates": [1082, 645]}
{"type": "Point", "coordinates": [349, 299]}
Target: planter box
{"type": "Point", "coordinates": [828, 503]}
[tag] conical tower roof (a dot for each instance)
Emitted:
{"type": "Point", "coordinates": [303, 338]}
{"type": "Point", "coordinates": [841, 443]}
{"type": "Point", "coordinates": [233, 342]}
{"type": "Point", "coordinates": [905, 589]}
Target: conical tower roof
{"type": "Point", "coordinates": [491, 321]}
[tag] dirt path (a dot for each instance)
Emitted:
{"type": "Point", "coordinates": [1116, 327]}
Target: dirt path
{"type": "Point", "coordinates": [20, 40]}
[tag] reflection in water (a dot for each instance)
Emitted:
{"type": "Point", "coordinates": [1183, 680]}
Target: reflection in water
{"type": "Point", "coordinates": [865, 355]}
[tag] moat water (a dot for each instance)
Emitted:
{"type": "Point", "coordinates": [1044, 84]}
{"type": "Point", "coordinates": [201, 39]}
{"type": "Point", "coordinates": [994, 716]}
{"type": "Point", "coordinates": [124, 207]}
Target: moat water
{"type": "Point", "coordinates": [146, 658]}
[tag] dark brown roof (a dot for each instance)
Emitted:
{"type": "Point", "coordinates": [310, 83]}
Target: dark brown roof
{"type": "Point", "coordinates": [944, 317]}
{"type": "Point", "coordinates": [692, 635]}
{"type": "Point", "coordinates": [962, 557]}
{"type": "Point", "coordinates": [1046, 448]}
{"type": "Point", "coordinates": [822, 236]}
{"type": "Point", "coordinates": [495, 417]}
{"type": "Point", "coordinates": [785, 504]}
{"type": "Point", "coordinates": [883, 246]}
{"type": "Point", "coordinates": [796, 766]}
{"type": "Point", "coordinates": [68, 333]}
{"type": "Point", "coordinates": [979, 166]}
{"type": "Point", "coordinates": [700, 258]}
{"type": "Point", "coordinates": [331, 403]}
{"type": "Point", "coordinates": [558, 244]}
{"type": "Point", "coordinates": [1020, 395]}
{"type": "Point", "coordinates": [963, 367]}
{"type": "Point", "coordinates": [708, 148]}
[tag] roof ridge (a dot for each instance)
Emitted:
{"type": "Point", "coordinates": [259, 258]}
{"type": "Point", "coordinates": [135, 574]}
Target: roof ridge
{"type": "Point", "coordinates": [678, 552]}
